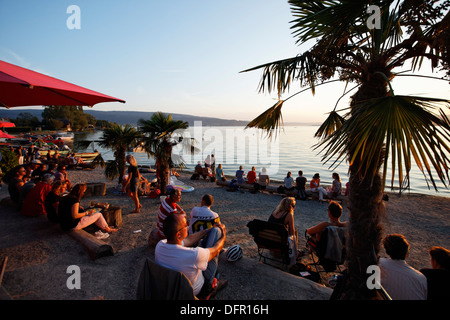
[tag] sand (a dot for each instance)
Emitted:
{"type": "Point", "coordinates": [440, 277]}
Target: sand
{"type": "Point", "coordinates": [39, 253]}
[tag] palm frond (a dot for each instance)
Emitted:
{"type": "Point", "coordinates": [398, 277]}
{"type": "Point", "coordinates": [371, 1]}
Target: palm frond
{"type": "Point", "coordinates": [333, 122]}
{"type": "Point", "coordinates": [406, 126]}
{"type": "Point", "coordinates": [278, 75]}
{"type": "Point", "coordinates": [98, 161]}
{"type": "Point", "coordinates": [112, 169]}
{"type": "Point", "coordinates": [269, 120]}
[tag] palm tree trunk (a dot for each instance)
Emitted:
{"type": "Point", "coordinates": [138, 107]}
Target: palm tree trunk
{"type": "Point", "coordinates": [365, 233]}
{"type": "Point", "coordinates": [122, 163]}
{"type": "Point", "coordinates": [366, 209]}
{"type": "Point", "coordinates": [164, 174]}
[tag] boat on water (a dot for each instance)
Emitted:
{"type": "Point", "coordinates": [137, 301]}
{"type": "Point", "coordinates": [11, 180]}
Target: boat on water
{"type": "Point", "coordinates": [86, 156]}
{"type": "Point", "coordinates": [65, 135]}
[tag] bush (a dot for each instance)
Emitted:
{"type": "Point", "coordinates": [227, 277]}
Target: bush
{"type": "Point", "coordinates": [9, 161]}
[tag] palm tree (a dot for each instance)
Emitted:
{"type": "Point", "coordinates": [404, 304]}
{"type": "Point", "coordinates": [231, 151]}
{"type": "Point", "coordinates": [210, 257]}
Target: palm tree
{"type": "Point", "coordinates": [378, 128]}
{"type": "Point", "coordinates": [119, 139]}
{"type": "Point", "coordinates": [160, 136]}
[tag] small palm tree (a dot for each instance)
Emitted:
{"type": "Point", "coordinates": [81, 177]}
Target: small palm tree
{"type": "Point", "coordinates": [160, 136]}
{"type": "Point", "coordinates": [379, 127]}
{"type": "Point", "coordinates": [118, 139]}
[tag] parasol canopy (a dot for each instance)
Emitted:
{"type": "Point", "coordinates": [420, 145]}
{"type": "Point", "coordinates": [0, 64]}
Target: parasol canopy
{"type": "Point", "coordinates": [24, 87]}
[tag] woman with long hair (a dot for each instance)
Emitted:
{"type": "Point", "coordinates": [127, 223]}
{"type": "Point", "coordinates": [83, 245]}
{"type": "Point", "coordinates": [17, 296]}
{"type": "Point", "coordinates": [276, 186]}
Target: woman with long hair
{"type": "Point", "coordinates": [284, 214]}
{"type": "Point", "coordinates": [73, 217]}
{"type": "Point", "coordinates": [336, 187]}
{"type": "Point", "coordinates": [131, 185]}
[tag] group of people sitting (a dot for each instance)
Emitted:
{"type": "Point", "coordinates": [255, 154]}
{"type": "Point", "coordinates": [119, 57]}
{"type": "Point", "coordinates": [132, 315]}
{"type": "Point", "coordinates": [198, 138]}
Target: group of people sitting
{"type": "Point", "coordinates": [401, 281]}
{"type": "Point", "coordinates": [37, 192]}
{"type": "Point", "coordinates": [191, 246]}
{"type": "Point", "coordinates": [297, 188]}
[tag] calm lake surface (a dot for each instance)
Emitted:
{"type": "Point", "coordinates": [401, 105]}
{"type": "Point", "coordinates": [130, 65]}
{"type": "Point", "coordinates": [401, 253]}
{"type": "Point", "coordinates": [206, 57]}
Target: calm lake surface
{"type": "Point", "coordinates": [291, 150]}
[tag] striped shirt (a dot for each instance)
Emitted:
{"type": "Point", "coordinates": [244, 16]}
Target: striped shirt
{"type": "Point", "coordinates": [166, 208]}
{"type": "Point", "coordinates": [401, 281]}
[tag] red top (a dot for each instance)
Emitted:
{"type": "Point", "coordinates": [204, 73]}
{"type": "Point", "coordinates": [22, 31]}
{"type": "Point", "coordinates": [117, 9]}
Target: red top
{"type": "Point", "coordinates": [251, 177]}
{"type": "Point", "coordinates": [34, 203]}
{"type": "Point", "coordinates": [314, 183]}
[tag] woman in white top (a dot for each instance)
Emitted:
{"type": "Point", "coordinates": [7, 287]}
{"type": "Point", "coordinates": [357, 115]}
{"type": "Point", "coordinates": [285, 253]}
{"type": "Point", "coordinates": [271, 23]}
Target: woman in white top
{"type": "Point", "coordinates": [263, 178]}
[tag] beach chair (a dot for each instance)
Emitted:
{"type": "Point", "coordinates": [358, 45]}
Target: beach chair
{"type": "Point", "coordinates": [271, 237]}
{"type": "Point", "coordinates": [160, 283]}
{"type": "Point", "coordinates": [328, 254]}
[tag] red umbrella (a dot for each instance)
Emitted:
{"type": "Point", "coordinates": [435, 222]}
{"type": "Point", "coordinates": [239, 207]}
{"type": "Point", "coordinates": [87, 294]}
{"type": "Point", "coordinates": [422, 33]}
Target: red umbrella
{"type": "Point", "coordinates": [24, 87]}
{"type": "Point", "coordinates": [4, 135]}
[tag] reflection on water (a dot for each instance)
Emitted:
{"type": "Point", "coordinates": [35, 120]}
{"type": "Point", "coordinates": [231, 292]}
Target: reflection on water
{"type": "Point", "coordinates": [292, 150]}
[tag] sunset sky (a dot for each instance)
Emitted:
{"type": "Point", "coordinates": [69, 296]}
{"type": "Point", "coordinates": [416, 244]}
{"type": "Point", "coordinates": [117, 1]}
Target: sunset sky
{"type": "Point", "coordinates": [179, 56]}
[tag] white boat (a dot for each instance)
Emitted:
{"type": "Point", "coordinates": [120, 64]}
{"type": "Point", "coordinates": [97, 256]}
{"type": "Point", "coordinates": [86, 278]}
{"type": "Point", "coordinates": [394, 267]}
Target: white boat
{"type": "Point", "coordinates": [66, 135]}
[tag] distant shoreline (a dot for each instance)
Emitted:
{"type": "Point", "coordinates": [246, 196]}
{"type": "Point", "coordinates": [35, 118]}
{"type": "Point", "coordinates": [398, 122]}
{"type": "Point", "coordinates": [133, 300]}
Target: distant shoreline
{"type": "Point", "coordinates": [132, 117]}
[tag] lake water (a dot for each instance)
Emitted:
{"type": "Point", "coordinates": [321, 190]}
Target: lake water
{"type": "Point", "coordinates": [291, 150]}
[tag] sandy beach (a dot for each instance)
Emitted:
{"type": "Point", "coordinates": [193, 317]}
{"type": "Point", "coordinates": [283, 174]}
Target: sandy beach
{"type": "Point", "coordinates": [39, 252]}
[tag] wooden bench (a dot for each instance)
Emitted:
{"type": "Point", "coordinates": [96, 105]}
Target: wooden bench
{"type": "Point", "coordinates": [94, 247]}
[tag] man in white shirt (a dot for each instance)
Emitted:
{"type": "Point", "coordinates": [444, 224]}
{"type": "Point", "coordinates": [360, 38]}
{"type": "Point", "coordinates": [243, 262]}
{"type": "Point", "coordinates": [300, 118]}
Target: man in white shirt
{"type": "Point", "coordinates": [198, 264]}
{"type": "Point", "coordinates": [203, 217]}
{"type": "Point", "coordinates": [401, 281]}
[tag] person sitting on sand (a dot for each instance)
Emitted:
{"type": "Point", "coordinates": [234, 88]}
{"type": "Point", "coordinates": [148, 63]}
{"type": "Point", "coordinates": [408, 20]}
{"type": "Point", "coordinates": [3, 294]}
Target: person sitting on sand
{"type": "Point", "coordinates": [16, 183]}
{"type": "Point", "coordinates": [74, 161]}
{"type": "Point", "coordinates": [289, 182]}
{"type": "Point", "coordinates": [240, 175]}
{"type": "Point", "coordinates": [199, 264]}
{"type": "Point", "coordinates": [401, 281]}
{"type": "Point", "coordinates": [219, 173]}
{"type": "Point", "coordinates": [168, 207]}
{"type": "Point", "coordinates": [263, 179]}
{"type": "Point", "coordinates": [203, 217]}
{"type": "Point", "coordinates": [251, 176]}
{"type": "Point", "coordinates": [34, 202]}
{"type": "Point", "coordinates": [300, 185]}
{"type": "Point", "coordinates": [73, 217]}
{"type": "Point", "coordinates": [51, 168]}
{"type": "Point", "coordinates": [52, 200]}
{"type": "Point", "coordinates": [61, 174]}
{"type": "Point", "coordinates": [334, 214]}
{"type": "Point", "coordinates": [144, 187]}
{"type": "Point", "coordinates": [131, 185]}
{"type": "Point", "coordinates": [314, 185]}
{"type": "Point", "coordinates": [438, 277]}
{"type": "Point", "coordinates": [336, 187]}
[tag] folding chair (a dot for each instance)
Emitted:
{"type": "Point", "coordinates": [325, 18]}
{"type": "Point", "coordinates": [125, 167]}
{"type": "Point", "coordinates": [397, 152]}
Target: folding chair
{"type": "Point", "coordinates": [272, 237]}
{"type": "Point", "coordinates": [160, 283]}
{"type": "Point", "coordinates": [329, 252]}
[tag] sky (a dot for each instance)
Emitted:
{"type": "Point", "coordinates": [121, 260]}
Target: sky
{"type": "Point", "coordinates": [178, 56]}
